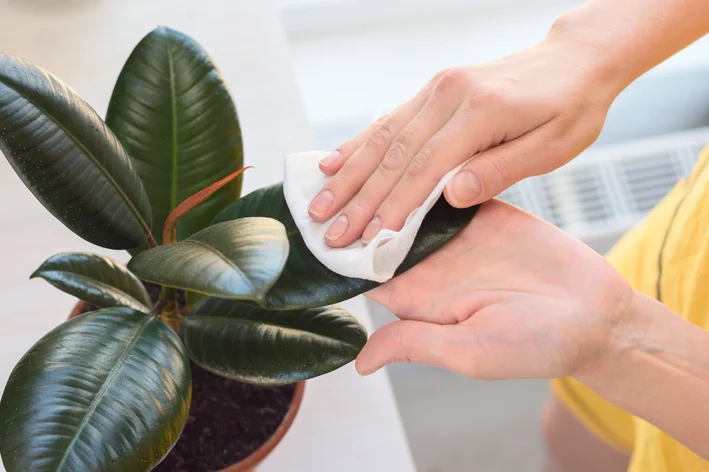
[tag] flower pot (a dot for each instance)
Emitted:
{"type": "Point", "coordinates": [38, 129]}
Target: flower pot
{"type": "Point", "coordinates": [250, 462]}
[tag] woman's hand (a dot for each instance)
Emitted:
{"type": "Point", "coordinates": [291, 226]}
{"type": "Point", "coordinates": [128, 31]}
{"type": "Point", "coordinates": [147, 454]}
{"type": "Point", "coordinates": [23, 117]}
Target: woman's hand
{"type": "Point", "coordinates": [523, 115]}
{"type": "Point", "coordinates": [509, 297]}
{"type": "Point", "coordinates": [514, 297]}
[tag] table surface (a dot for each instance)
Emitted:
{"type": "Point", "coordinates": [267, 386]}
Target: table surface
{"type": "Point", "coordinates": [346, 423]}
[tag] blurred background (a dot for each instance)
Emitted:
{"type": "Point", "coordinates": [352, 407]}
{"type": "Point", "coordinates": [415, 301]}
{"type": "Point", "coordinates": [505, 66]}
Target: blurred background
{"type": "Point", "coordinates": [351, 61]}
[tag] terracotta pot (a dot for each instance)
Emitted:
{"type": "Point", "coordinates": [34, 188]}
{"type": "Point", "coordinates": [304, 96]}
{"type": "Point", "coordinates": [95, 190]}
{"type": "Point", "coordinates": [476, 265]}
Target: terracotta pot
{"type": "Point", "coordinates": [248, 464]}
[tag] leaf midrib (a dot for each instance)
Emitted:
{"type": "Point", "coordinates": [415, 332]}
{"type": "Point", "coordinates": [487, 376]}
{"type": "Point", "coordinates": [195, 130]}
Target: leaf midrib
{"type": "Point", "coordinates": [90, 281]}
{"type": "Point", "coordinates": [173, 105]}
{"type": "Point", "coordinates": [106, 384]}
{"type": "Point", "coordinates": [146, 229]}
{"type": "Point", "coordinates": [223, 258]}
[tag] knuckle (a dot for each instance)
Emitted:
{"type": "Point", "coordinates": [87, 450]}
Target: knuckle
{"type": "Point", "coordinates": [450, 80]}
{"type": "Point", "coordinates": [499, 167]}
{"type": "Point", "coordinates": [359, 205]}
{"type": "Point", "coordinates": [402, 345]}
{"type": "Point", "coordinates": [439, 75]}
{"type": "Point", "coordinates": [381, 119]}
{"type": "Point", "coordinates": [340, 183]}
{"type": "Point", "coordinates": [442, 72]}
{"type": "Point", "coordinates": [388, 208]}
{"type": "Point", "coordinates": [432, 84]}
{"type": "Point", "coordinates": [394, 159]}
{"type": "Point", "coordinates": [381, 135]}
{"type": "Point", "coordinates": [375, 124]}
{"type": "Point", "coordinates": [421, 163]}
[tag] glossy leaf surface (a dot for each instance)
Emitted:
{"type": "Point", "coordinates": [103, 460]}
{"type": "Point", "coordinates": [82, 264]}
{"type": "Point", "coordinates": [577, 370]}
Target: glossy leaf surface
{"type": "Point", "coordinates": [238, 259]}
{"type": "Point", "coordinates": [95, 279]}
{"type": "Point", "coordinates": [69, 159]}
{"type": "Point", "coordinates": [106, 391]}
{"type": "Point", "coordinates": [254, 345]}
{"type": "Point", "coordinates": [306, 282]}
{"type": "Point", "coordinates": [172, 111]}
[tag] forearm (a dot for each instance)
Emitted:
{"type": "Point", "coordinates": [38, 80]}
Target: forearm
{"type": "Point", "coordinates": [629, 37]}
{"type": "Point", "coordinates": [656, 367]}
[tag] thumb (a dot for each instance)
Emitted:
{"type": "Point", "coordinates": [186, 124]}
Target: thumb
{"type": "Point", "coordinates": [491, 172]}
{"type": "Point", "coordinates": [409, 341]}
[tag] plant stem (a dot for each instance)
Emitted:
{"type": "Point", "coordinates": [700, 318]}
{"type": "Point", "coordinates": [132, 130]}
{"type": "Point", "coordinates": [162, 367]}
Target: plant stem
{"type": "Point", "coordinates": [170, 316]}
{"type": "Point", "coordinates": [169, 311]}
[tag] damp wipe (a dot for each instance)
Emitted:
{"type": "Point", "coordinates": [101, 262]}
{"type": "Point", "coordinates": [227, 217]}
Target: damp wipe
{"type": "Point", "coordinates": [375, 261]}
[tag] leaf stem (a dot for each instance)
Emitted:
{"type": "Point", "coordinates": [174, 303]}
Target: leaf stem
{"type": "Point", "coordinates": [168, 234]}
{"type": "Point", "coordinates": [168, 295]}
{"type": "Point", "coordinates": [157, 309]}
{"type": "Point", "coordinates": [151, 240]}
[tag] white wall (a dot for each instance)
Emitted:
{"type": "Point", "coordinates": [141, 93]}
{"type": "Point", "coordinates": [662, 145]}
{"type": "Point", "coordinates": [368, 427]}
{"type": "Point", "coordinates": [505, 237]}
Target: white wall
{"type": "Point", "coordinates": [349, 70]}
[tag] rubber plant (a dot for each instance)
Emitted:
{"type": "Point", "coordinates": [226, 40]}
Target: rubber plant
{"type": "Point", "coordinates": [161, 177]}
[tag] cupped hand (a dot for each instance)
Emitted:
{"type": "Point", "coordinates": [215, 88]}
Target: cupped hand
{"type": "Point", "coordinates": [510, 297]}
{"type": "Point", "coordinates": [523, 115]}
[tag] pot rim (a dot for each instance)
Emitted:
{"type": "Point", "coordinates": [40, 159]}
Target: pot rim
{"type": "Point", "coordinates": [252, 460]}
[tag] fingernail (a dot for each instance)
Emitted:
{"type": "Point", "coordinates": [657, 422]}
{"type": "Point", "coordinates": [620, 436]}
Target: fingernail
{"type": "Point", "coordinates": [321, 203]}
{"type": "Point", "coordinates": [466, 187]}
{"type": "Point", "coordinates": [337, 228]}
{"type": "Point", "coordinates": [328, 160]}
{"type": "Point", "coordinates": [372, 229]}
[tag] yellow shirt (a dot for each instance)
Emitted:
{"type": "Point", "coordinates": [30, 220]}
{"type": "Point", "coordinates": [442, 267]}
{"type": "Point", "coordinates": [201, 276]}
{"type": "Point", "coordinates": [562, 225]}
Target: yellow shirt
{"type": "Point", "coordinates": [667, 257]}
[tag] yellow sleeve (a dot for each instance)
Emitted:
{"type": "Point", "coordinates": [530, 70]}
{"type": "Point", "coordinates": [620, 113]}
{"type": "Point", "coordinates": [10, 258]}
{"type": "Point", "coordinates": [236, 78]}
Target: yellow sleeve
{"type": "Point", "coordinates": [666, 257]}
{"type": "Point", "coordinates": [604, 420]}
{"type": "Point", "coordinates": [635, 257]}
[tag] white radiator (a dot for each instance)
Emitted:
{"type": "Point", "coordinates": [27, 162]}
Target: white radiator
{"type": "Point", "coordinates": [606, 190]}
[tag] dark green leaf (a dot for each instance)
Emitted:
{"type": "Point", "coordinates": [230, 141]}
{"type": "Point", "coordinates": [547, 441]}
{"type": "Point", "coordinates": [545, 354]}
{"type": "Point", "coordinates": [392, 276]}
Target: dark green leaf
{"type": "Point", "coordinates": [258, 346]}
{"type": "Point", "coordinates": [106, 391]}
{"type": "Point", "coordinates": [95, 279]}
{"type": "Point", "coordinates": [69, 158]}
{"type": "Point", "coordinates": [306, 282]}
{"type": "Point", "coordinates": [172, 111]}
{"type": "Point", "coordinates": [238, 259]}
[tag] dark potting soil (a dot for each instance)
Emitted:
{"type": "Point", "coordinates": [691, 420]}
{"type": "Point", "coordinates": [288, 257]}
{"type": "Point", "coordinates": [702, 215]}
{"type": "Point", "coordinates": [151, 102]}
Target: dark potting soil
{"type": "Point", "coordinates": [228, 420]}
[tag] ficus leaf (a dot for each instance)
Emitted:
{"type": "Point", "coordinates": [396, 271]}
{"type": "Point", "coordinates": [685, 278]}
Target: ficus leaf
{"type": "Point", "coordinates": [238, 259]}
{"type": "Point", "coordinates": [69, 159]}
{"type": "Point", "coordinates": [265, 347]}
{"type": "Point", "coordinates": [106, 391]}
{"type": "Point", "coordinates": [95, 279]}
{"type": "Point", "coordinates": [172, 111]}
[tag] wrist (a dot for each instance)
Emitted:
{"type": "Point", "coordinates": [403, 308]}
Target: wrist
{"type": "Point", "coordinates": [628, 339]}
{"type": "Point", "coordinates": [657, 368]}
{"type": "Point", "coordinates": [595, 47]}
{"type": "Point", "coordinates": [649, 341]}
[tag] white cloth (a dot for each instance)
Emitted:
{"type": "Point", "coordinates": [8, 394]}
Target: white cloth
{"type": "Point", "coordinates": [377, 260]}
